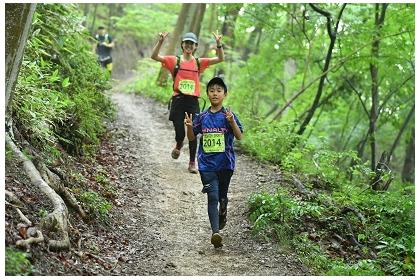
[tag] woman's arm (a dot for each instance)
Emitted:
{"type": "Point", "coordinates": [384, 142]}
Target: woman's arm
{"type": "Point", "coordinates": [219, 50]}
{"type": "Point", "coordinates": [156, 48]}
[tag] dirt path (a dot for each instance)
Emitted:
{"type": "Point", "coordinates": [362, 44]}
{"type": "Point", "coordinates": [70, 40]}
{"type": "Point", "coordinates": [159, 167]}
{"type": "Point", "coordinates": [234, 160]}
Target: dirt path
{"type": "Point", "coordinates": [163, 226]}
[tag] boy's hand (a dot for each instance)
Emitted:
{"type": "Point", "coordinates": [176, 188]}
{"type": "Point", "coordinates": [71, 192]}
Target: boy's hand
{"type": "Point", "coordinates": [217, 37]}
{"type": "Point", "coordinates": [229, 115]}
{"type": "Point", "coordinates": [188, 120]}
{"type": "Point", "coordinates": [162, 36]}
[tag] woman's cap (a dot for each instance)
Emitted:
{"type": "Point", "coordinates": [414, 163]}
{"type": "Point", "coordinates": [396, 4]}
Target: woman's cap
{"type": "Point", "coordinates": [216, 81]}
{"type": "Point", "coordinates": [189, 36]}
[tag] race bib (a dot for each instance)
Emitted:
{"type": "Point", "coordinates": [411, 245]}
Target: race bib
{"type": "Point", "coordinates": [187, 87]}
{"type": "Point", "coordinates": [213, 142]}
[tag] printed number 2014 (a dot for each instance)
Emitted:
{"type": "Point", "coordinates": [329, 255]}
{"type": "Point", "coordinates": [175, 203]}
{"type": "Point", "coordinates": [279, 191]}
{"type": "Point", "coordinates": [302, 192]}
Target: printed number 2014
{"type": "Point", "coordinates": [212, 142]}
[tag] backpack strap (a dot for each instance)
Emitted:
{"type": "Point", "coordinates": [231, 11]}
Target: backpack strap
{"type": "Point", "coordinates": [176, 69]}
{"type": "Point", "coordinates": [197, 60]}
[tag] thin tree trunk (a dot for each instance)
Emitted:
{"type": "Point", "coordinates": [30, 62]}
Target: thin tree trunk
{"type": "Point", "coordinates": [407, 174]}
{"type": "Point", "coordinates": [333, 35]}
{"type": "Point", "coordinates": [92, 26]}
{"type": "Point", "coordinates": [379, 20]}
{"type": "Point", "coordinates": [18, 22]}
{"type": "Point", "coordinates": [402, 129]}
{"type": "Point", "coordinates": [110, 10]}
{"type": "Point", "coordinates": [210, 28]}
{"type": "Point", "coordinates": [196, 28]}
{"type": "Point", "coordinates": [175, 40]}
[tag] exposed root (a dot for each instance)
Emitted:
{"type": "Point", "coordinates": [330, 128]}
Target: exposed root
{"type": "Point", "coordinates": [59, 217]}
{"type": "Point", "coordinates": [56, 180]}
{"type": "Point", "coordinates": [26, 243]}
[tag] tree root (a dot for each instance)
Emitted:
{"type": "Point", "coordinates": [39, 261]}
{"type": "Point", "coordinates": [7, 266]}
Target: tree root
{"type": "Point", "coordinates": [56, 179]}
{"type": "Point", "coordinates": [59, 217]}
{"type": "Point", "coordinates": [26, 243]}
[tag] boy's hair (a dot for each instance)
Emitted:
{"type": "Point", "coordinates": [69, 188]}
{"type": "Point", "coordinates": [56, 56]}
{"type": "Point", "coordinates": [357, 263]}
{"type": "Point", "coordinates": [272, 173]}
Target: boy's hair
{"type": "Point", "coordinates": [101, 28]}
{"type": "Point", "coordinates": [216, 81]}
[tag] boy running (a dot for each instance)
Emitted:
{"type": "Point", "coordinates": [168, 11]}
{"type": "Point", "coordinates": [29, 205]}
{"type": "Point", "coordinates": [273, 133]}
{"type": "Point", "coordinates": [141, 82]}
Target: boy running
{"type": "Point", "coordinates": [216, 159]}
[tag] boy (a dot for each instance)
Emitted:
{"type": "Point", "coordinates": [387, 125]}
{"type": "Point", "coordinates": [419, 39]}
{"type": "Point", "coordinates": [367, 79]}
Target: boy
{"type": "Point", "coordinates": [186, 87]}
{"type": "Point", "coordinates": [216, 159]}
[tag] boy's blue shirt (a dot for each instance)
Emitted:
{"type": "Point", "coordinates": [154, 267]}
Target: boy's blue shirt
{"type": "Point", "coordinates": [208, 122]}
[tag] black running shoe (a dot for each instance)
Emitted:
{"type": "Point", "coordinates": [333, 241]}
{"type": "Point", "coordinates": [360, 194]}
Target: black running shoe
{"type": "Point", "coordinates": [216, 240]}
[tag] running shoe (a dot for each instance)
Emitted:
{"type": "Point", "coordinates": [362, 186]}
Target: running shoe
{"type": "Point", "coordinates": [216, 240]}
{"type": "Point", "coordinates": [176, 151]}
{"type": "Point", "coordinates": [191, 167]}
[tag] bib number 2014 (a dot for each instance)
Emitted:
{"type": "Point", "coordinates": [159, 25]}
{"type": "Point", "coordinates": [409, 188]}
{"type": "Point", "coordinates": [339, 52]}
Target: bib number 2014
{"type": "Point", "coordinates": [187, 86]}
{"type": "Point", "coordinates": [213, 142]}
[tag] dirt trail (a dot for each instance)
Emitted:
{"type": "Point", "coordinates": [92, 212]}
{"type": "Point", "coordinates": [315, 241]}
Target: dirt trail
{"type": "Point", "coordinates": [162, 220]}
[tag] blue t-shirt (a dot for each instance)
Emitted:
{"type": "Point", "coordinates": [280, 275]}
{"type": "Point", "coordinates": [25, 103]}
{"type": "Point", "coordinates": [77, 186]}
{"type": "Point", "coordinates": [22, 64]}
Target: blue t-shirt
{"type": "Point", "coordinates": [215, 124]}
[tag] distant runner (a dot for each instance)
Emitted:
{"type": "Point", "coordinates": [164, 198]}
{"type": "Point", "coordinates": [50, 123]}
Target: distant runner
{"type": "Point", "coordinates": [185, 70]}
{"type": "Point", "coordinates": [103, 48]}
{"type": "Point", "coordinates": [216, 159]}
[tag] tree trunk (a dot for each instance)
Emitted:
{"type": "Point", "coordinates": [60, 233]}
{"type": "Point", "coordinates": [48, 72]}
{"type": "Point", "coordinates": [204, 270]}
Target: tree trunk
{"type": "Point", "coordinates": [407, 174]}
{"type": "Point", "coordinates": [175, 40]}
{"type": "Point", "coordinates": [92, 26]}
{"type": "Point", "coordinates": [18, 23]}
{"type": "Point", "coordinates": [403, 127]}
{"type": "Point", "coordinates": [379, 20]}
{"type": "Point", "coordinates": [210, 28]}
{"type": "Point", "coordinates": [198, 19]}
{"type": "Point", "coordinates": [333, 35]}
{"type": "Point", "coordinates": [111, 8]}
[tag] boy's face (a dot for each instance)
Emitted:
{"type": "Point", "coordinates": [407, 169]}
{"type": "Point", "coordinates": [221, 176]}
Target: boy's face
{"type": "Point", "coordinates": [216, 94]}
{"type": "Point", "coordinates": [101, 32]}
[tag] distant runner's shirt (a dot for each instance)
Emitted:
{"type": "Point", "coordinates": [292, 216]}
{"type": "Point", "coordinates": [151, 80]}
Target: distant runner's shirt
{"type": "Point", "coordinates": [187, 81]}
{"type": "Point", "coordinates": [215, 151]}
{"type": "Point", "coordinates": [103, 51]}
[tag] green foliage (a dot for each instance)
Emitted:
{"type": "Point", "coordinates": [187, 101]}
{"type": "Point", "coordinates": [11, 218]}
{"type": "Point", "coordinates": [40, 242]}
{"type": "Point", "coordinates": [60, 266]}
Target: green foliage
{"type": "Point", "coordinates": [387, 227]}
{"type": "Point", "coordinates": [97, 205]}
{"type": "Point", "coordinates": [17, 263]}
{"type": "Point", "coordinates": [59, 93]}
{"type": "Point", "coordinates": [269, 142]}
{"type": "Point", "coordinates": [146, 85]}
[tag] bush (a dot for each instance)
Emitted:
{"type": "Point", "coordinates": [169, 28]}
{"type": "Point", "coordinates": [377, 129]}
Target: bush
{"type": "Point", "coordinates": [17, 263]}
{"type": "Point", "coordinates": [97, 205]}
{"type": "Point", "coordinates": [59, 93]}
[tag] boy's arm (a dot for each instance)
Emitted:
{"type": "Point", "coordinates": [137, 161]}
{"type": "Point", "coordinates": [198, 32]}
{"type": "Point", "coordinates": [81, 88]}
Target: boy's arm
{"type": "Point", "coordinates": [156, 48]}
{"type": "Point", "coordinates": [188, 123]}
{"type": "Point", "coordinates": [235, 128]}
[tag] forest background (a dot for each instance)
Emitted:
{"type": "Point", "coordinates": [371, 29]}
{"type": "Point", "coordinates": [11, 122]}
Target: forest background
{"type": "Point", "coordinates": [325, 92]}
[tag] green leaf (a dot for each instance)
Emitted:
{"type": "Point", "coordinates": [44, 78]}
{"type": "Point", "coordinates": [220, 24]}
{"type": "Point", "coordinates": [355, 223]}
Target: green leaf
{"type": "Point", "coordinates": [65, 82]}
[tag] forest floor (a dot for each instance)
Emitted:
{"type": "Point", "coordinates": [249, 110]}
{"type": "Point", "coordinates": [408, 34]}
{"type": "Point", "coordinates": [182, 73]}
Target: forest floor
{"type": "Point", "coordinates": [159, 223]}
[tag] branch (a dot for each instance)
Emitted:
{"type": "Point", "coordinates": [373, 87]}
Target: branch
{"type": "Point", "coordinates": [328, 16]}
{"type": "Point", "coordinates": [333, 68]}
{"type": "Point", "coordinates": [358, 95]}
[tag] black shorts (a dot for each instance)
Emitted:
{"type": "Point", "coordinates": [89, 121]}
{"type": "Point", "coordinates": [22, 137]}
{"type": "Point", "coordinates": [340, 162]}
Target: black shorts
{"type": "Point", "coordinates": [181, 104]}
{"type": "Point", "coordinates": [105, 62]}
